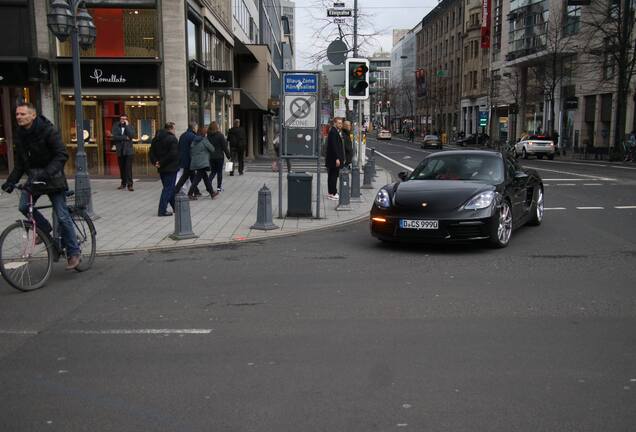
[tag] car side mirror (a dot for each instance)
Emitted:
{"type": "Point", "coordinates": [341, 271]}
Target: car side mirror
{"type": "Point", "coordinates": [520, 175]}
{"type": "Point", "coordinates": [404, 175]}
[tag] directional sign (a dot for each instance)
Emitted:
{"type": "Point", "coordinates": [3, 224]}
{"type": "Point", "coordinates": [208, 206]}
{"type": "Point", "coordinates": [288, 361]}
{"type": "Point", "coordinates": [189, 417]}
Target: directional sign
{"type": "Point", "coordinates": [300, 83]}
{"type": "Point", "coordinates": [483, 118]}
{"type": "Point", "coordinates": [339, 12]}
{"type": "Point", "coordinates": [300, 112]}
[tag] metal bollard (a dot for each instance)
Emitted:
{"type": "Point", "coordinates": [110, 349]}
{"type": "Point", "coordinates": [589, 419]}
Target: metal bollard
{"type": "Point", "coordinates": [367, 182]}
{"type": "Point", "coordinates": [374, 172]}
{"type": "Point", "coordinates": [182, 220]}
{"type": "Point", "coordinates": [264, 211]}
{"type": "Point", "coordinates": [343, 190]}
{"type": "Point", "coordinates": [355, 185]}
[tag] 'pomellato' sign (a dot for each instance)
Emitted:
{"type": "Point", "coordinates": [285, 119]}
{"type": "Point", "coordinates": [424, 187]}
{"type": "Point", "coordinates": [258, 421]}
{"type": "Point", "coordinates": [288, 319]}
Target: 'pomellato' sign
{"type": "Point", "coordinates": [112, 75]}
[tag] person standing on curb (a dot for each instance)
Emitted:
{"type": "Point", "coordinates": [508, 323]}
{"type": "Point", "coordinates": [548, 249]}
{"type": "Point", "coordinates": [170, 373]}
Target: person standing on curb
{"type": "Point", "coordinates": [185, 140]}
{"type": "Point", "coordinates": [200, 153]}
{"type": "Point", "coordinates": [122, 135]}
{"type": "Point", "coordinates": [236, 138]}
{"type": "Point", "coordinates": [221, 150]}
{"type": "Point", "coordinates": [348, 142]}
{"type": "Point", "coordinates": [164, 154]}
{"type": "Point", "coordinates": [335, 158]}
{"type": "Point", "coordinates": [41, 154]}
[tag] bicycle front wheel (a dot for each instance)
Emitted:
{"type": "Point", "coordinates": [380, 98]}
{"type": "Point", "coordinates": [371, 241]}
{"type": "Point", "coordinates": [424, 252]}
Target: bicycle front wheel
{"type": "Point", "coordinates": [86, 238]}
{"type": "Point", "coordinates": [24, 264]}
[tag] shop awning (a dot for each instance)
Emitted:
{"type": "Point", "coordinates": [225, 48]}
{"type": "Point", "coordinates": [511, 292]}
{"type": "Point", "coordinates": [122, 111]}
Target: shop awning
{"type": "Point", "coordinates": [248, 102]}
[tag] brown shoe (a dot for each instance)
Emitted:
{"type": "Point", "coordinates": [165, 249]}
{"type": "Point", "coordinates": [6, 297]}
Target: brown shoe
{"type": "Point", "coordinates": [121, 187]}
{"type": "Point", "coordinates": [214, 194]}
{"type": "Point", "coordinates": [130, 188]}
{"type": "Point", "coordinates": [73, 262]}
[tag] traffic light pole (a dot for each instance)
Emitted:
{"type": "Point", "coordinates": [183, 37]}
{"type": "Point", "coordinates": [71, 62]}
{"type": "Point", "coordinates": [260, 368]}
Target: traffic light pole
{"type": "Point", "coordinates": [357, 159]}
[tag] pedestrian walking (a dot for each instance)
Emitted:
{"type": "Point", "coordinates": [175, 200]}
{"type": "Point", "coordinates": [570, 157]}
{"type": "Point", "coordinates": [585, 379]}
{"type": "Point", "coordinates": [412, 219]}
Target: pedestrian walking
{"type": "Point", "coordinates": [348, 142]}
{"type": "Point", "coordinates": [122, 135]}
{"type": "Point", "coordinates": [412, 135]}
{"type": "Point", "coordinates": [164, 155]}
{"type": "Point", "coordinates": [335, 158]}
{"type": "Point", "coordinates": [200, 153]}
{"type": "Point", "coordinates": [236, 138]}
{"type": "Point", "coordinates": [185, 140]}
{"type": "Point", "coordinates": [41, 155]}
{"type": "Point", "coordinates": [221, 150]}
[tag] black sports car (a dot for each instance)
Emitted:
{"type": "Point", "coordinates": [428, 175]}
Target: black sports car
{"type": "Point", "coordinates": [459, 195]}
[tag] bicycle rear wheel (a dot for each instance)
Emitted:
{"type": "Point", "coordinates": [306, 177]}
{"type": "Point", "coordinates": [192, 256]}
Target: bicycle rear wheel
{"type": "Point", "coordinates": [25, 265]}
{"type": "Point", "coordinates": [86, 238]}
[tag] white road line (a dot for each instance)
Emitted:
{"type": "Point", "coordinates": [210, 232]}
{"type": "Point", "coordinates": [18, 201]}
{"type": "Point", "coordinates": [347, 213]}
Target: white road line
{"type": "Point", "coordinates": [575, 174]}
{"type": "Point", "coordinates": [566, 184]}
{"type": "Point", "coordinates": [563, 179]}
{"type": "Point", "coordinates": [393, 160]}
{"type": "Point", "coordinates": [623, 167]}
{"type": "Point", "coordinates": [592, 184]}
{"type": "Point", "coordinates": [554, 208]}
{"type": "Point", "coordinates": [625, 207]}
{"type": "Point", "coordinates": [590, 208]}
{"type": "Point", "coordinates": [18, 332]}
{"type": "Point", "coordinates": [138, 331]}
{"type": "Point", "coordinates": [576, 163]}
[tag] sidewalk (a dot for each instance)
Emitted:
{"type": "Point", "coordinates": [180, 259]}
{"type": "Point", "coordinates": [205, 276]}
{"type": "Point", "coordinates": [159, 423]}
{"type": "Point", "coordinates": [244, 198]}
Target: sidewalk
{"type": "Point", "coordinates": [128, 221]}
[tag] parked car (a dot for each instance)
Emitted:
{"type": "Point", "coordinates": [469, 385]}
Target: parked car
{"type": "Point", "coordinates": [537, 145]}
{"type": "Point", "coordinates": [471, 140]}
{"type": "Point", "coordinates": [459, 195]}
{"type": "Point", "coordinates": [432, 141]}
{"type": "Point", "coordinates": [384, 134]}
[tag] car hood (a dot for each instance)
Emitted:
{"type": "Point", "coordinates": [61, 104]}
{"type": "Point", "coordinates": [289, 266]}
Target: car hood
{"type": "Point", "coordinates": [439, 195]}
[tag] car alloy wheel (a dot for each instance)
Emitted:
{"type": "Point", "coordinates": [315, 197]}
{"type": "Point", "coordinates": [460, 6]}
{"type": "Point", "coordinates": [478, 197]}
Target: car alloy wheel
{"type": "Point", "coordinates": [537, 210]}
{"type": "Point", "coordinates": [502, 229]}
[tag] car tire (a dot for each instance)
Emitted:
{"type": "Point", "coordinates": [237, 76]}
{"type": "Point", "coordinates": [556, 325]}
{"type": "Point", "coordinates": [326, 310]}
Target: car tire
{"type": "Point", "coordinates": [551, 157]}
{"type": "Point", "coordinates": [537, 208]}
{"type": "Point", "coordinates": [501, 230]}
{"type": "Point", "coordinates": [524, 153]}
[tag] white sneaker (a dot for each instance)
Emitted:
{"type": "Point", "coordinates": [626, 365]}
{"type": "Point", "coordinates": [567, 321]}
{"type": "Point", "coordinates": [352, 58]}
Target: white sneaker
{"type": "Point", "coordinates": [220, 189]}
{"type": "Point", "coordinates": [331, 197]}
{"type": "Point", "coordinates": [336, 197]}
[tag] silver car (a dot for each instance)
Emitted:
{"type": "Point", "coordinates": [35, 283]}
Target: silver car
{"type": "Point", "coordinates": [535, 145]}
{"type": "Point", "coordinates": [431, 141]}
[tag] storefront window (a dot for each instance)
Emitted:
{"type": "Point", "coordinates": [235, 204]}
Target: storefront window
{"type": "Point", "coordinates": [100, 114]}
{"type": "Point", "coordinates": [120, 33]}
{"type": "Point", "coordinates": [193, 40]}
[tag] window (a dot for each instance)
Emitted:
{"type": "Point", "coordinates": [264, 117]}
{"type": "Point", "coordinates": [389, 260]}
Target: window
{"type": "Point", "coordinates": [120, 33]}
{"type": "Point", "coordinates": [609, 66]}
{"type": "Point", "coordinates": [572, 19]}
{"type": "Point", "coordinates": [15, 27]}
{"type": "Point", "coordinates": [193, 40]}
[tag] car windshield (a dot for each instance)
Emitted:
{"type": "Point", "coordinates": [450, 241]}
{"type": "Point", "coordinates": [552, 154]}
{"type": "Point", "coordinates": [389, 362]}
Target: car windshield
{"type": "Point", "coordinates": [468, 167]}
{"type": "Point", "coordinates": [431, 137]}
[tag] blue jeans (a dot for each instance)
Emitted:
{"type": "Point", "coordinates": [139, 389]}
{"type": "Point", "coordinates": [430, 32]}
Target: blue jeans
{"type": "Point", "coordinates": [67, 229]}
{"type": "Point", "coordinates": [168, 180]}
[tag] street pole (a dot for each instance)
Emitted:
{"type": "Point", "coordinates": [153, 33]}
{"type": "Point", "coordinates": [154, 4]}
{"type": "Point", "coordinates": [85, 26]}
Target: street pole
{"type": "Point", "coordinates": [357, 159]}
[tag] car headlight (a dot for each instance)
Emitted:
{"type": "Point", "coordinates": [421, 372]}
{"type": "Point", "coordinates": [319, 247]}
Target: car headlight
{"type": "Point", "coordinates": [480, 201]}
{"type": "Point", "coordinates": [382, 199]}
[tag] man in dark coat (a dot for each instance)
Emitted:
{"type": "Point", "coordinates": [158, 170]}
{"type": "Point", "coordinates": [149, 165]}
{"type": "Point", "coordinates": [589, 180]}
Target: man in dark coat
{"type": "Point", "coordinates": [335, 158]}
{"type": "Point", "coordinates": [236, 138]}
{"type": "Point", "coordinates": [122, 135]}
{"type": "Point", "coordinates": [217, 158]}
{"type": "Point", "coordinates": [348, 143]}
{"type": "Point", "coordinates": [164, 154]}
{"type": "Point", "coordinates": [41, 155]}
{"type": "Point", "coordinates": [185, 140]}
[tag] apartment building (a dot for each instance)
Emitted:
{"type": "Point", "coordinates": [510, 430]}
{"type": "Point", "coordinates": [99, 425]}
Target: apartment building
{"type": "Point", "coordinates": [402, 81]}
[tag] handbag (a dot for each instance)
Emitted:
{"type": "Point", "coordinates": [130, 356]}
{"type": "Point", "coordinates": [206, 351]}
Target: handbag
{"type": "Point", "coordinates": [229, 167]}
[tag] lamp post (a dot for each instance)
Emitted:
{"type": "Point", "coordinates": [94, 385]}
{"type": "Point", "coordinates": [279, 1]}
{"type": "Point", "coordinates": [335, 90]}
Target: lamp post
{"type": "Point", "coordinates": [68, 18]}
{"type": "Point", "coordinates": [388, 107]}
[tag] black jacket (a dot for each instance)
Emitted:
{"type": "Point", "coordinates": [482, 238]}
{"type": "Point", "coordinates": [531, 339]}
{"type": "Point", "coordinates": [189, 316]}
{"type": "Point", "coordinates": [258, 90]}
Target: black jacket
{"type": "Point", "coordinates": [185, 140]}
{"type": "Point", "coordinates": [220, 146]}
{"type": "Point", "coordinates": [335, 148]}
{"type": "Point", "coordinates": [123, 141]}
{"type": "Point", "coordinates": [348, 146]}
{"type": "Point", "coordinates": [41, 155]}
{"type": "Point", "coordinates": [236, 138]}
{"type": "Point", "coordinates": [165, 150]}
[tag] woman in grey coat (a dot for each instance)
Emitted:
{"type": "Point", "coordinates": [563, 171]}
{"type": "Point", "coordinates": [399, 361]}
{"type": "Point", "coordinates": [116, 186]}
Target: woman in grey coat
{"type": "Point", "coordinates": [200, 152]}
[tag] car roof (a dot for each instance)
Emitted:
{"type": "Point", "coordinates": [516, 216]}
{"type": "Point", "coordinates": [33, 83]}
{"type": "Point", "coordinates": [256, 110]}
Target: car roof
{"type": "Point", "coordinates": [466, 152]}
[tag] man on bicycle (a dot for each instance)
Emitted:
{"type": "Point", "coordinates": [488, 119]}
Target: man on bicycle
{"type": "Point", "coordinates": [41, 154]}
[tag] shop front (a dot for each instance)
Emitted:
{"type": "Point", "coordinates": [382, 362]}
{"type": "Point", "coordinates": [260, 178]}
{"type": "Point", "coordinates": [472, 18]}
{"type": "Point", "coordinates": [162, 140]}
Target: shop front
{"type": "Point", "coordinates": [109, 90]}
{"type": "Point", "coordinates": [210, 96]}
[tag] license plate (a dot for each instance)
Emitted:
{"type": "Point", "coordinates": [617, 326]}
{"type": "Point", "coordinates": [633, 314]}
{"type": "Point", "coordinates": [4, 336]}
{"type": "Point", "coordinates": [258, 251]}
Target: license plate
{"type": "Point", "coordinates": [419, 224]}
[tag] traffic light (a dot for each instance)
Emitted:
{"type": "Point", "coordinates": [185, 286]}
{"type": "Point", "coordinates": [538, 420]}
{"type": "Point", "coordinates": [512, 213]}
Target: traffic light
{"type": "Point", "coordinates": [357, 78]}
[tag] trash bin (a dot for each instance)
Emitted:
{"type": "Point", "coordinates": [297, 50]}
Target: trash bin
{"type": "Point", "coordinates": [299, 194]}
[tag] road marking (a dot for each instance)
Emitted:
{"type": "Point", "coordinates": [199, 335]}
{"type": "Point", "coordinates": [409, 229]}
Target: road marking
{"type": "Point", "coordinates": [625, 207]}
{"type": "Point", "coordinates": [19, 332]}
{"type": "Point", "coordinates": [554, 208]}
{"type": "Point", "coordinates": [577, 163]}
{"type": "Point", "coordinates": [575, 174]}
{"type": "Point", "coordinates": [138, 331]}
{"type": "Point", "coordinates": [563, 179]}
{"type": "Point", "coordinates": [393, 160]}
{"type": "Point", "coordinates": [623, 167]}
{"type": "Point", "coordinates": [590, 208]}
{"type": "Point", "coordinates": [566, 184]}
{"type": "Point", "coordinates": [592, 184]}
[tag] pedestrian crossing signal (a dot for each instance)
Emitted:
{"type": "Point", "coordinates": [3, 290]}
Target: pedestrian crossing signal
{"type": "Point", "coordinates": [357, 78]}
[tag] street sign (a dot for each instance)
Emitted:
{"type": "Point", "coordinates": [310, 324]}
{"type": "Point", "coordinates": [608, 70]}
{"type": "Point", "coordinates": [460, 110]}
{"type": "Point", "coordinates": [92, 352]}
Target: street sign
{"type": "Point", "coordinates": [441, 73]}
{"type": "Point", "coordinates": [339, 21]}
{"type": "Point", "coordinates": [300, 111]}
{"type": "Point", "coordinates": [337, 51]}
{"type": "Point", "coordinates": [301, 83]}
{"type": "Point", "coordinates": [339, 12]}
{"type": "Point", "coordinates": [483, 118]}
{"type": "Point", "coordinates": [338, 4]}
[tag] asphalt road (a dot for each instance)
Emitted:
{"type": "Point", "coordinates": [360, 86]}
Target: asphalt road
{"type": "Point", "coordinates": [334, 331]}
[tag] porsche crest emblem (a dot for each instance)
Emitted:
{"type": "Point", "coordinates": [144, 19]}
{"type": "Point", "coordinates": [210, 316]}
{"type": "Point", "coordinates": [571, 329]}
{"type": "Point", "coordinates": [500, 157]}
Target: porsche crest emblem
{"type": "Point", "coordinates": [424, 204]}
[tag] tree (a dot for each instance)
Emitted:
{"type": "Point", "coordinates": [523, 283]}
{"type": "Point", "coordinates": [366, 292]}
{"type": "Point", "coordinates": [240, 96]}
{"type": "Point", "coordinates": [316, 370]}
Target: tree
{"type": "Point", "coordinates": [611, 35]}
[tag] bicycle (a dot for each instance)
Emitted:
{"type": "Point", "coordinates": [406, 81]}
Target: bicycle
{"type": "Point", "coordinates": [27, 252]}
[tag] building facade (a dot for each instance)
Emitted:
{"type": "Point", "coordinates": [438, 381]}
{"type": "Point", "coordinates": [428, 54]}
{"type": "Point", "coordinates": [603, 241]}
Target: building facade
{"type": "Point", "coordinates": [439, 50]}
{"type": "Point", "coordinates": [402, 81]}
{"type": "Point", "coordinates": [380, 63]}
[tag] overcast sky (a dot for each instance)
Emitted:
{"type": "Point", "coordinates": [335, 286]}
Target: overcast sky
{"type": "Point", "coordinates": [385, 15]}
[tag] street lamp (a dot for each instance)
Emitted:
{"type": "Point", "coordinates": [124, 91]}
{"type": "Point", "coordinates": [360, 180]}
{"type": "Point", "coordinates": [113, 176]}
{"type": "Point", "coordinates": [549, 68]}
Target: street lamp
{"type": "Point", "coordinates": [388, 106]}
{"type": "Point", "coordinates": [67, 18]}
